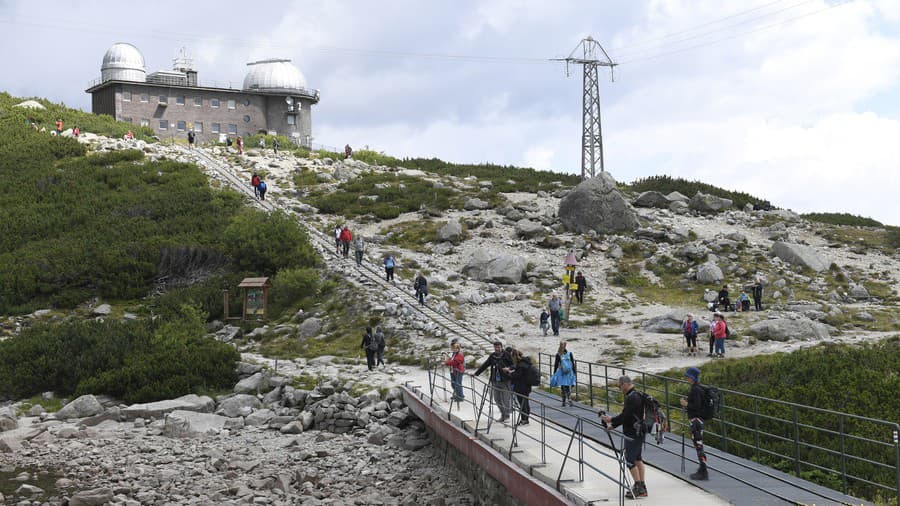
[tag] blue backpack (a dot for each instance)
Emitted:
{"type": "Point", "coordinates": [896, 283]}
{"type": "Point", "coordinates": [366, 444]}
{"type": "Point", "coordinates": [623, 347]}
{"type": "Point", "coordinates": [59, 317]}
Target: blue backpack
{"type": "Point", "coordinates": [262, 185]}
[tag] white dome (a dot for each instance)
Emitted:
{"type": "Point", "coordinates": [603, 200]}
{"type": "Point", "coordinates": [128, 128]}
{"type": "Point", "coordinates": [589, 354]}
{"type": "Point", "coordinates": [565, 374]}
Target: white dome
{"type": "Point", "coordinates": [274, 75]}
{"type": "Point", "coordinates": [123, 62]}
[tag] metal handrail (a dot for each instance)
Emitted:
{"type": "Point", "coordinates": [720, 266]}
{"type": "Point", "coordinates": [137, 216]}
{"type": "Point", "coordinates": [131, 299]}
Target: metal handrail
{"type": "Point", "coordinates": [731, 416]}
{"type": "Point", "coordinates": [575, 433]}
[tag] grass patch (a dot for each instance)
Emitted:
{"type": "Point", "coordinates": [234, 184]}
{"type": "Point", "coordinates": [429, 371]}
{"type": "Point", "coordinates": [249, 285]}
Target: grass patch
{"type": "Point", "coordinates": [667, 184]}
{"type": "Point", "coordinates": [412, 235]}
{"type": "Point", "coordinates": [384, 196]}
{"type": "Point", "coordinates": [50, 405]}
{"type": "Point", "coordinates": [842, 219]}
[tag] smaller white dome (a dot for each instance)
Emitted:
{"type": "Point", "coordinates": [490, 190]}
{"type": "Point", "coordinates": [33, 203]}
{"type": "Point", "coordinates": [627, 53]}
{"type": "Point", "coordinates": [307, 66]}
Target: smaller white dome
{"type": "Point", "coordinates": [274, 75]}
{"type": "Point", "coordinates": [123, 62]}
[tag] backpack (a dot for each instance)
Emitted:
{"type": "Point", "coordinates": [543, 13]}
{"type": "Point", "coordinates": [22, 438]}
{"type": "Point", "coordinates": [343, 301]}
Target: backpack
{"type": "Point", "coordinates": [712, 398]}
{"type": "Point", "coordinates": [262, 185]}
{"type": "Point", "coordinates": [653, 420]}
{"type": "Point", "coordinates": [533, 376]}
{"type": "Point", "coordinates": [727, 331]}
{"type": "Point", "coordinates": [373, 344]}
{"type": "Point", "coordinates": [565, 363]}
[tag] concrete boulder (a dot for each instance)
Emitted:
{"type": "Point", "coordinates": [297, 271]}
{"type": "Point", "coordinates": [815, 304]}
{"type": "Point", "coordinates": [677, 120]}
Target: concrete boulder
{"type": "Point", "coordinates": [709, 203]}
{"type": "Point", "coordinates": [484, 265]}
{"type": "Point", "coordinates": [785, 329]}
{"type": "Point", "coordinates": [798, 254]}
{"type": "Point", "coordinates": [596, 204]}
{"type": "Point", "coordinates": [84, 406]}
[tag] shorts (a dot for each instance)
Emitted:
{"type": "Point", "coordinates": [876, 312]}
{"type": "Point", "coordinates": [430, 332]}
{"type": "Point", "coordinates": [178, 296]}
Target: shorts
{"type": "Point", "coordinates": [633, 448]}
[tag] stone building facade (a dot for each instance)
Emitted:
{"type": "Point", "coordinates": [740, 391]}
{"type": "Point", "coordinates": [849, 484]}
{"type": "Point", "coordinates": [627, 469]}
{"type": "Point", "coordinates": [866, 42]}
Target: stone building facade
{"type": "Point", "coordinates": [274, 99]}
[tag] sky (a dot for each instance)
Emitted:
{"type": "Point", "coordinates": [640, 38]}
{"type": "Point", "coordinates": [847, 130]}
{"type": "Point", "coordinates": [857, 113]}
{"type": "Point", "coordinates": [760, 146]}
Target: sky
{"type": "Point", "coordinates": [794, 101]}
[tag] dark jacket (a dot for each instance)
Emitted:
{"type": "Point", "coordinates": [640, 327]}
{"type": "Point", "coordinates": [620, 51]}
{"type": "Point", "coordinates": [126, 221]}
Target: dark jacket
{"type": "Point", "coordinates": [421, 284]}
{"type": "Point", "coordinates": [497, 362]}
{"type": "Point", "coordinates": [557, 360]}
{"type": "Point", "coordinates": [519, 376]}
{"type": "Point", "coordinates": [695, 401]}
{"type": "Point", "coordinates": [581, 282]}
{"type": "Point", "coordinates": [366, 341]}
{"type": "Point", "coordinates": [632, 411]}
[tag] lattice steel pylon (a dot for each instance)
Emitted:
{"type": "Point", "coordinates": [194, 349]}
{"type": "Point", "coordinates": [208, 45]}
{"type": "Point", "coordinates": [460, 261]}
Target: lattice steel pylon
{"type": "Point", "coordinates": [593, 56]}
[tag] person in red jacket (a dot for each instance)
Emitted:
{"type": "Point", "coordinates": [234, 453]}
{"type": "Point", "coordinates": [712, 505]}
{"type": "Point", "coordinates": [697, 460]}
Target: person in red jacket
{"type": "Point", "coordinates": [719, 331]}
{"type": "Point", "coordinates": [254, 182]}
{"type": "Point", "coordinates": [457, 363]}
{"type": "Point", "coordinates": [346, 237]}
{"type": "Point", "coordinates": [59, 125]}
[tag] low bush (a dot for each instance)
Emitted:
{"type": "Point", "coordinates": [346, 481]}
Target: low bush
{"type": "Point", "coordinates": [842, 219]}
{"type": "Point", "coordinates": [384, 195]}
{"type": "Point", "coordinates": [667, 184]}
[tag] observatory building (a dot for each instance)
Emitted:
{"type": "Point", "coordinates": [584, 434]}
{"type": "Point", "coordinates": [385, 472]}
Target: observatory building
{"type": "Point", "coordinates": [274, 98]}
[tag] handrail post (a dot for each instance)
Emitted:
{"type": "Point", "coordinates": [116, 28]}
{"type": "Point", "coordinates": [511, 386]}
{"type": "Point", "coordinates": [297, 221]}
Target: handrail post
{"type": "Point", "coordinates": [724, 426]}
{"type": "Point", "coordinates": [756, 425]}
{"type": "Point", "coordinates": [897, 459]}
{"type": "Point", "coordinates": [591, 382]}
{"type": "Point", "coordinates": [796, 440]}
{"type": "Point", "coordinates": [543, 434]}
{"type": "Point", "coordinates": [606, 385]}
{"type": "Point", "coordinates": [580, 449]}
{"type": "Point", "coordinates": [668, 408]}
{"type": "Point", "coordinates": [576, 380]}
{"type": "Point", "coordinates": [843, 460]}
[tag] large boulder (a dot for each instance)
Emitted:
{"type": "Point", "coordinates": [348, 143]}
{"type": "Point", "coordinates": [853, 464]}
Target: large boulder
{"type": "Point", "coordinates": [484, 265]}
{"type": "Point", "coordinates": [252, 384]}
{"type": "Point", "coordinates": [798, 254]}
{"type": "Point", "coordinates": [451, 231]}
{"type": "Point", "coordinates": [190, 402]}
{"type": "Point", "coordinates": [709, 273]}
{"type": "Point", "coordinates": [784, 329]}
{"type": "Point", "coordinates": [86, 405]}
{"type": "Point", "coordinates": [190, 424]}
{"type": "Point", "coordinates": [669, 324]}
{"type": "Point", "coordinates": [238, 405]}
{"type": "Point", "coordinates": [709, 203]}
{"type": "Point", "coordinates": [96, 496]}
{"type": "Point", "coordinates": [475, 203]}
{"type": "Point", "coordinates": [652, 199]}
{"type": "Point", "coordinates": [528, 228]}
{"type": "Point", "coordinates": [596, 204]}
{"type": "Point", "coordinates": [310, 327]}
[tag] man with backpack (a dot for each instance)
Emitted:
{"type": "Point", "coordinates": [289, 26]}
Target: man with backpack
{"type": "Point", "coordinates": [698, 409]}
{"type": "Point", "coordinates": [497, 362]}
{"type": "Point", "coordinates": [524, 376]}
{"type": "Point", "coordinates": [370, 345]}
{"type": "Point", "coordinates": [631, 419]}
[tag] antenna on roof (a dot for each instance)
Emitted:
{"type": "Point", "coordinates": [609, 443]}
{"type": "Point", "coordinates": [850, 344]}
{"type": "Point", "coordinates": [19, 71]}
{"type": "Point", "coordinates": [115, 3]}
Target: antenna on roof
{"type": "Point", "coordinates": [183, 62]}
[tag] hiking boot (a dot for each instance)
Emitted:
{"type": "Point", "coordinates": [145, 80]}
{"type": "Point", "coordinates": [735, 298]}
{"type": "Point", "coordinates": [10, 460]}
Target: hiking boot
{"type": "Point", "coordinates": [522, 422]}
{"type": "Point", "coordinates": [636, 492]}
{"type": "Point", "coordinates": [701, 474]}
{"type": "Point", "coordinates": [503, 419]}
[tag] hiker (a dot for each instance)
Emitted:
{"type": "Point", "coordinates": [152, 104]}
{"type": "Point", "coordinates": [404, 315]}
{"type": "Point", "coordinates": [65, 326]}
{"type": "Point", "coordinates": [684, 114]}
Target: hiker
{"type": "Point", "coordinates": [757, 295]}
{"type": "Point", "coordinates": [723, 299]}
{"type": "Point", "coordinates": [521, 386]}
{"type": "Point", "coordinates": [582, 284]}
{"type": "Point", "coordinates": [689, 329]}
{"type": "Point", "coordinates": [369, 344]}
{"type": "Point", "coordinates": [76, 131]}
{"type": "Point", "coordinates": [499, 380]}
{"type": "Point", "coordinates": [337, 239]}
{"type": "Point", "coordinates": [632, 409]}
{"type": "Point", "coordinates": [694, 405]}
{"type": "Point", "coordinates": [275, 145]}
{"type": "Point", "coordinates": [228, 142]}
{"type": "Point", "coordinates": [262, 189]}
{"type": "Point", "coordinates": [420, 285]}
{"type": "Point", "coordinates": [457, 363]}
{"type": "Point", "coordinates": [389, 268]}
{"type": "Point", "coordinates": [254, 182]}
{"type": "Point", "coordinates": [718, 331]}
{"type": "Point", "coordinates": [190, 139]}
{"type": "Point", "coordinates": [382, 344]}
{"type": "Point", "coordinates": [564, 373]}
{"type": "Point", "coordinates": [59, 126]}
{"type": "Point", "coordinates": [554, 306]}
{"type": "Point", "coordinates": [345, 237]}
{"type": "Point", "coordinates": [129, 136]}
{"type": "Point", "coordinates": [240, 145]}
{"type": "Point", "coordinates": [743, 302]}
{"type": "Point", "coordinates": [545, 320]}
{"type": "Point", "coordinates": [262, 143]}
{"type": "Point", "coordinates": [359, 247]}
{"type": "Point", "coordinates": [347, 152]}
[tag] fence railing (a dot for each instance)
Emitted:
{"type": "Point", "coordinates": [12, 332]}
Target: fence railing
{"type": "Point", "coordinates": [580, 451]}
{"type": "Point", "coordinates": [846, 452]}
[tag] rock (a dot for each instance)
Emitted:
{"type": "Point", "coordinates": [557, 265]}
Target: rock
{"type": "Point", "coordinates": [692, 251]}
{"type": "Point", "coordinates": [191, 424]}
{"type": "Point", "coordinates": [8, 423]}
{"type": "Point", "coordinates": [709, 273]}
{"type": "Point", "coordinates": [652, 199]}
{"type": "Point", "coordinates": [859, 292]}
{"type": "Point", "coordinates": [295, 427]}
{"type": "Point", "coordinates": [259, 417]}
{"type": "Point", "coordinates": [709, 203]}
{"type": "Point", "coordinates": [253, 384]}
{"type": "Point", "coordinates": [864, 316]}
{"type": "Point", "coordinates": [678, 197]}
{"type": "Point", "coordinates": [245, 369]}
{"type": "Point", "coordinates": [86, 405]}
{"type": "Point", "coordinates": [473, 204]}
{"type": "Point", "coordinates": [228, 333]}
{"type": "Point", "coordinates": [596, 204]}
{"type": "Point", "coordinates": [310, 327]}
{"type": "Point", "coordinates": [238, 405]}
{"type": "Point", "coordinates": [679, 207]}
{"type": "Point", "coordinates": [102, 310]}
{"type": "Point", "coordinates": [485, 265]}
{"type": "Point", "coordinates": [451, 231]}
{"type": "Point", "coordinates": [798, 254]}
{"type": "Point", "coordinates": [527, 228]}
{"type": "Point", "coordinates": [29, 490]}
{"type": "Point", "coordinates": [92, 497]}
{"type": "Point", "coordinates": [783, 329]}
{"type": "Point", "coordinates": [190, 402]}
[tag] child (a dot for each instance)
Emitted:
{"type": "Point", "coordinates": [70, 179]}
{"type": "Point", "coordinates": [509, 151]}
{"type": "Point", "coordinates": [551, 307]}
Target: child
{"type": "Point", "coordinates": [545, 321]}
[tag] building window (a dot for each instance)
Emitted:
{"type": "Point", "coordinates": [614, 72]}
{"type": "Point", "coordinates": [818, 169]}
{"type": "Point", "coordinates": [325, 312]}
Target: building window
{"type": "Point", "coordinates": [214, 102]}
{"type": "Point", "coordinates": [145, 122]}
{"type": "Point", "coordinates": [198, 126]}
{"type": "Point", "coordinates": [232, 129]}
{"type": "Point", "coordinates": [163, 124]}
{"type": "Point", "coordinates": [198, 101]}
{"type": "Point", "coordinates": [126, 96]}
{"type": "Point", "coordinates": [216, 128]}
{"type": "Point", "coordinates": [127, 120]}
{"type": "Point", "coordinates": [182, 126]}
{"type": "Point", "coordinates": [179, 100]}
{"type": "Point", "coordinates": [145, 97]}
{"type": "Point", "coordinates": [163, 99]}
{"type": "Point", "coordinates": [291, 120]}
{"type": "Point", "coordinates": [231, 104]}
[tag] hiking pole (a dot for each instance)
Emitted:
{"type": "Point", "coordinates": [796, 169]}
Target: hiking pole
{"type": "Point", "coordinates": [684, 417]}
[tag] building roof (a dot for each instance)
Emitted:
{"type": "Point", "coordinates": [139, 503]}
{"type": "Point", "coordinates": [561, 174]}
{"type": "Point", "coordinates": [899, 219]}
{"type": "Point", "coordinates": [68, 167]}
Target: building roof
{"type": "Point", "coordinates": [274, 75]}
{"type": "Point", "coordinates": [123, 61]}
{"type": "Point", "coordinates": [255, 283]}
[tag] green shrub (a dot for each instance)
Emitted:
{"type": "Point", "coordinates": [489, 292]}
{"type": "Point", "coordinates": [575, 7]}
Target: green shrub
{"type": "Point", "coordinates": [291, 288]}
{"type": "Point", "coordinates": [392, 194]}
{"type": "Point", "coordinates": [842, 219]}
{"type": "Point", "coordinates": [667, 184]}
{"type": "Point", "coordinates": [263, 243]}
